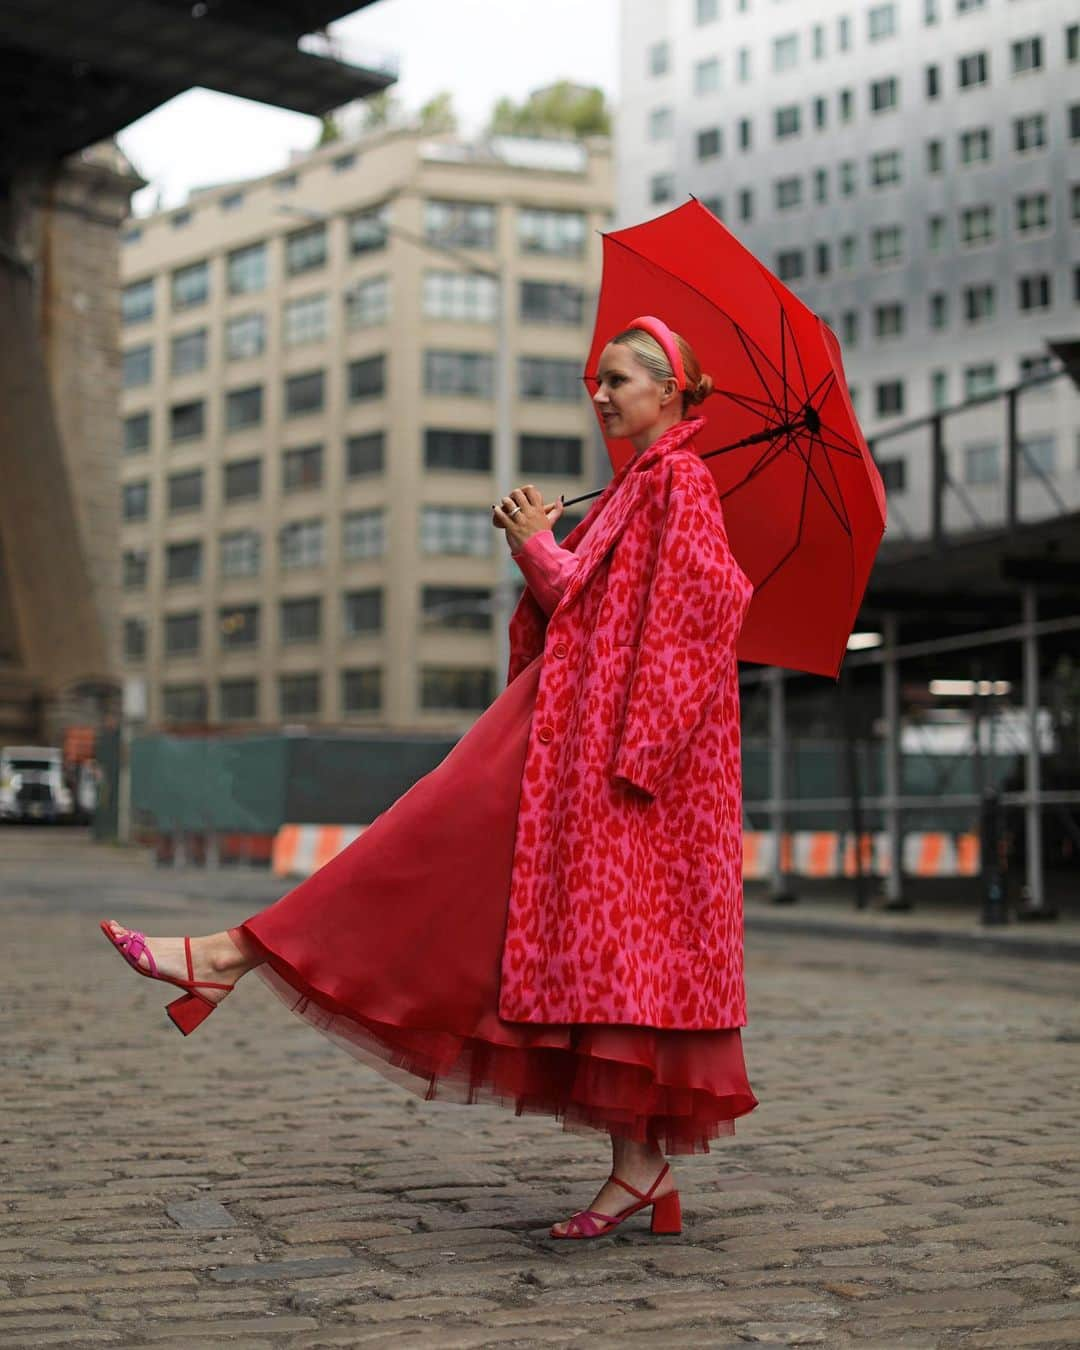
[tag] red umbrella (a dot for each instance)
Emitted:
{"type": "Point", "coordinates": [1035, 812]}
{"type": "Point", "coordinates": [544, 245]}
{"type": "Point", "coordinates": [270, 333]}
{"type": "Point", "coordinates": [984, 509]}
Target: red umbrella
{"type": "Point", "coordinates": [803, 502]}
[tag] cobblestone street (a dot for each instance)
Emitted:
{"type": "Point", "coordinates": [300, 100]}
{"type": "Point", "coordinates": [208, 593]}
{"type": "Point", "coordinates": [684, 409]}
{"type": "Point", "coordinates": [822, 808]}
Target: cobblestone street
{"type": "Point", "coordinates": [911, 1176]}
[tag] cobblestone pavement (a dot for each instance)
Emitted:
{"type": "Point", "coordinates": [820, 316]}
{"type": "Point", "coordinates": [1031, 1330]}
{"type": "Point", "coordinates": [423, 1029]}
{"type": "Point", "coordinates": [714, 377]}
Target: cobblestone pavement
{"type": "Point", "coordinates": [910, 1178]}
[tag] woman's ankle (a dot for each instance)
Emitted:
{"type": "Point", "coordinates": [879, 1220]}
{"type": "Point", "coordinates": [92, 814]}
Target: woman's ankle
{"type": "Point", "coordinates": [233, 953]}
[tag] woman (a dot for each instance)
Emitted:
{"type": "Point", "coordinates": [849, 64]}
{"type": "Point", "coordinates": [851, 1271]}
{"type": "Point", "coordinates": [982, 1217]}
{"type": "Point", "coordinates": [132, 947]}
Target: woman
{"type": "Point", "coordinates": [552, 918]}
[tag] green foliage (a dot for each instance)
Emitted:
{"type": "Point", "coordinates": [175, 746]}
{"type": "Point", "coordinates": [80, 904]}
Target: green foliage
{"type": "Point", "coordinates": [438, 113]}
{"type": "Point", "coordinates": [329, 131]}
{"type": "Point", "coordinates": [559, 110]}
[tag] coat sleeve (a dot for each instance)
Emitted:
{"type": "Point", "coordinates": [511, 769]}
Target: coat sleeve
{"type": "Point", "coordinates": [546, 567]}
{"type": "Point", "coordinates": [697, 599]}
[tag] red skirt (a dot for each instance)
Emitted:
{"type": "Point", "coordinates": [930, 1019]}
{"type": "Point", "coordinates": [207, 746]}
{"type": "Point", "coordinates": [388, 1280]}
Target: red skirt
{"type": "Point", "coordinates": [393, 950]}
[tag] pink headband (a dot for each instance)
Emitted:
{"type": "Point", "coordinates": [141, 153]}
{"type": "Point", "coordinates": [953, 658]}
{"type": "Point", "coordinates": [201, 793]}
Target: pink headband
{"type": "Point", "coordinates": [658, 329]}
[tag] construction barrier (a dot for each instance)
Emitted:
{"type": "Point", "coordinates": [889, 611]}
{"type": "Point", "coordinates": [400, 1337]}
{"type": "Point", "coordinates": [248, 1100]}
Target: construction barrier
{"type": "Point", "coordinates": [300, 850]}
{"type": "Point", "coordinates": [827, 853]}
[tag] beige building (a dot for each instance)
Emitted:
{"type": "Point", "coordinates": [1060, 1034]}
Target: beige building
{"type": "Point", "coordinates": [312, 366]}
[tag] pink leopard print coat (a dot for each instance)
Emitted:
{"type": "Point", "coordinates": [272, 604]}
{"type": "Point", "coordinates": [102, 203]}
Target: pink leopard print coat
{"type": "Point", "coordinates": [626, 893]}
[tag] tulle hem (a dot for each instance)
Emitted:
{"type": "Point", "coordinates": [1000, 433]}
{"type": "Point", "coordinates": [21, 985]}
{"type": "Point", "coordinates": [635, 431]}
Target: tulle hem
{"type": "Point", "coordinates": [615, 1079]}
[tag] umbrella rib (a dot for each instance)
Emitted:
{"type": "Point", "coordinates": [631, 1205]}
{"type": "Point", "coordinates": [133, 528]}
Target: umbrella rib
{"type": "Point", "coordinates": [754, 366]}
{"type": "Point", "coordinates": [842, 510]}
{"type": "Point", "coordinates": [747, 401]}
{"type": "Point", "coordinates": [798, 357]}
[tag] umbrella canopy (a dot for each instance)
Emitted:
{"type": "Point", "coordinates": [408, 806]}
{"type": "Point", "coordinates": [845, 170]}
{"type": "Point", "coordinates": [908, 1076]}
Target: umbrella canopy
{"type": "Point", "coordinates": [803, 502]}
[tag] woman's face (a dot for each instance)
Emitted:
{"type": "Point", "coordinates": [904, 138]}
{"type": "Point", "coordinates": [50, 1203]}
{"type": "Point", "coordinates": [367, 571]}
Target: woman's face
{"type": "Point", "coordinates": [628, 399]}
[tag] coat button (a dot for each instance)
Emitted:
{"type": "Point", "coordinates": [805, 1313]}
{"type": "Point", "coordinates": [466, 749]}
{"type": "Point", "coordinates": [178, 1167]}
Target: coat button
{"type": "Point", "coordinates": [546, 734]}
{"type": "Point", "coordinates": [560, 649]}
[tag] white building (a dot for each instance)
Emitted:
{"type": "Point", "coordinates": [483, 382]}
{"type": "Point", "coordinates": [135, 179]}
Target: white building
{"type": "Point", "coordinates": [912, 170]}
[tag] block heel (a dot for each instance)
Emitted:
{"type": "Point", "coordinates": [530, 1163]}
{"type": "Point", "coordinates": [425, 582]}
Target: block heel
{"type": "Point", "coordinates": [667, 1214]}
{"type": "Point", "coordinates": [189, 1012]}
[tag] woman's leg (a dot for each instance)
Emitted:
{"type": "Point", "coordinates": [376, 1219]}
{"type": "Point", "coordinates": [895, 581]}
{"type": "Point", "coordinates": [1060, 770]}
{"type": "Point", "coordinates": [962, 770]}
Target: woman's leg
{"type": "Point", "coordinates": [638, 1165]}
{"type": "Point", "coordinates": [219, 958]}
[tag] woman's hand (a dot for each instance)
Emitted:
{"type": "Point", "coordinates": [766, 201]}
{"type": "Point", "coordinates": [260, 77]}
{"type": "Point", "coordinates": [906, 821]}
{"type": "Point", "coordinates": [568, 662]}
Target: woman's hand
{"type": "Point", "coordinates": [533, 517]}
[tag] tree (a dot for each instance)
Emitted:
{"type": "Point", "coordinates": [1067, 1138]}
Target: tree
{"type": "Point", "coordinates": [562, 109]}
{"type": "Point", "coordinates": [379, 110]}
{"type": "Point", "coordinates": [438, 114]}
{"type": "Point", "coordinates": [329, 131]}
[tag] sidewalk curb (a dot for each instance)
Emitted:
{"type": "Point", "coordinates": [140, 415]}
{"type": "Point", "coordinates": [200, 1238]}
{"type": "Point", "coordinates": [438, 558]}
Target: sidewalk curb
{"type": "Point", "coordinates": [973, 940]}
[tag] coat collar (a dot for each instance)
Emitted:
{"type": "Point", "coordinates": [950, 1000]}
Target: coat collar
{"type": "Point", "coordinates": [593, 537]}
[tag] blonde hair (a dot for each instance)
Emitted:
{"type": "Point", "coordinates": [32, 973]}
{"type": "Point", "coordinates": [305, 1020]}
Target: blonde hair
{"type": "Point", "coordinates": [651, 355]}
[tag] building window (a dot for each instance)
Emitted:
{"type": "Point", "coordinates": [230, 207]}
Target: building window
{"type": "Point", "coordinates": [846, 175]}
{"type": "Point", "coordinates": [1074, 121]}
{"type": "Point", "coordinates": [980, 381]}
{"type": "Point", "coordinates": [188, 352]}
{"type": "Point", "coordinates": [361, 690]}
{"type": "Point", "coordinates": [893, 474]}
{"type": "Point", "coordinates": [881, 22]}
{"type": "Point", "coordinates": [933, 81]}
{"type": "Point", "coordinates": [549, 378]}
{"type": "Point", "coordinates": [707, 75]}
{"type": "Point", "coordinates": [555, 455]}
{"type": "Point", "coordinates": [241, 553]}
{"type": "Point", "coordinates": [134, 639]}
{"type": "Point", "coordinates": [661, 124]}
{"type": "Point", "coordinates": [460, 224]}
{"type": "Point", "coordinates": [787, 121]}
{"type": "Point", "coordinates": [298, 695]}
{"type": "Point", "coordinates": [887, 244]}
{"type": "Point", "coordinates": [1034, 367]}
{"type": "Point", "coordinates": [137, 301]}
{"type": "Point", "coordinates": [849, 327]}
{"type": "Point", "coordinates": [710, 143]}
{"type": "Point", "coordinates": [1034, 292]}
{"type": "Point", "coordinates": [1037, 456]}
{"type": "Point", "coordinates": [659, 58]}
{"type": "Point", "coordinates": [138, 366]}
{"type": "Point", "coordinates": [821, 185]}
{"type": "Point", "coordinates": [301, 543]}
{"type": "Point", "coordinates": [135, 500]}
{"type": "Point", "coordinates": [301, 620]}
{"type": "Point", "coordinates": [305, 249]}
{"type": "Point", "coordinates": [366, 378]}
{"type": "Point", "coordinates": [938, 313]}
{"type": "Point", "coordinates": [977, 225]}
{"type": "Point", "coordinates": [368, 303]}
{"type": "Point", "coordinates": [1029, 133]}
{"type": "Point", "coordinates": [939, 389]}
{"type": "Point", "coordinates": [982, 464]}
{"type": "Point", "coordinates": [745, 127]}
{"type": "Point", "coordinates": [469, 451]}
{"type": "Point", "coordinates": [242, 480]}
{"type": "Point", "coordinates": [788, 193]}
{"type": "Point", "coordinates": [455, 690]}
{"type": "Point", "coordinates": [968, 6]}
{"type": "Point", "coordinates": [973, 70]}
{"type": "Point", "coordinates": [817, 41]}
{"type": "Point", "coordinates": [185, 491]}
{"type": "Point", "coordinates": [931, 13]}
{"type": "Point", "coordinates": [135, 568]}
{"type": "Point", "coordinates": [884, 94]}
{"type": "Point", "coordinates": [184, 702]}
{"type": "Point", "coordinates": [785, 51]}
{"type": "Point", "coordinates": [979, 302]}
{"type": "Point", "coordinates": [462, 373]}
{"type": "Point", "coordinates": [243, 407]}
{"type": "Point", "coordinates": [843, 33]}
{"type": "Point", "coordinates": [190, 285]}
{"type": "Point", "coordinates": [889, 398]}
{"type": "Point", "coordinates": [821, 112]}
{"type": "Point", "coordinates": [935, 156]}
{"type": "Point", "coordinates": [363, 612]}
{"type": "Point", "coordinates": [661, 188]}
{"type": "Point", "coordinates": [460, 530]}
{"type": "Point", "coordinates": [232, 201]}
{"type": "Point", "coordinates": [305, 319]}
{"type": "Point", "coordinates": [364, 454]}
{"type": "Point", "coordinates": [556, 302]}
{"type": "Point", "coordinates": [936, 230]}
{"type": "Point", "coordinates": [847, 252]}
{"type": "Point", "coordinates": [461, 607]}
{"type": "Point", "coordinates": [245, 336]}
{"type": "Point", "coordinates": [305, 393]}
{"type": "Point", "coordinates": [238, 625]}
{"type": "Point", "coordinates": [179, 220]}
{"type": "Point", "coordinates": [364, 534]}
{"type": "Point", "coordinates": [845, 104]}
{"type": "Point", "coordinates": [187, 420]}
{"type": "Point", "coordinates": [822, 259]}
{"type": "Point", "coordinates": [460, 296]}
{"type": "Point", "coordinates": [1074, 203]}
{"type": "Point", "coordinates": [1072, 42]}
{"type": "Point", "coordinates": [342, 163]}
{"type": "Point", "coordinates": [976, 145]}
{"type": "Point", "coordinates": [302, 468]}
{"type": "Point", "coordinates": [183, 562]}
{"type": "Point", "coordinates": [885, 168]}
{"type": "Point", "coordinates": [746, 203]}
{"type": "Point", "coordinates": [706, 11]}
{"type": "Point", "coordinates": [368, 230]}
{"type": "Point", "coordinates": [791, 264]}
{"type": "Point", "coordinates": [1033, 212]}
{"type": "Point", "coordinates": [1027, 54]}
{"type": "Point", "coordinates": [245, 269]}
{"type": "Point", "coordinates": [238, 700]}
{"type": "Point", "coordinates": [743, 65]}
{"type": "Point", "coordinates": [136, 433]}
{"type": "Point", "coordinates": [889, 320]}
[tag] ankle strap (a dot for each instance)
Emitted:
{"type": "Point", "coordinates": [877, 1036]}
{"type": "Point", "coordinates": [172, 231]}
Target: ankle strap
{"type": "Point", "coordinates": [633, 1191]}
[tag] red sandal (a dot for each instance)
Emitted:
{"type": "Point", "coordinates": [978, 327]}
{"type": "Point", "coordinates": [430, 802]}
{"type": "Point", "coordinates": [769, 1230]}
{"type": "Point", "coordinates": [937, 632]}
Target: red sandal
{"type": "Point", "coordinates": [666, 1212]}
{"type": "Point", "coordinates": [185, 1013]}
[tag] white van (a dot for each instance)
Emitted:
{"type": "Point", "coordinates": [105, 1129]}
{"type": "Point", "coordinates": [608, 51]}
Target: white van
{"type": "Point", "coordinates": [32, 784]}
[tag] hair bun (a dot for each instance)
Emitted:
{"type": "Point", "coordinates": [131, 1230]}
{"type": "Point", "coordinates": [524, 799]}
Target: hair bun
{"type": "Point", "coordinates": [701, 390]}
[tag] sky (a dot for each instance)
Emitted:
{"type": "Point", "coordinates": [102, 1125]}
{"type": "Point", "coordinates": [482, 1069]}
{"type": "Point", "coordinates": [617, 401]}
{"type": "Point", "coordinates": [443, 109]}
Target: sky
{"type": "Point", "coordinates": [479, 50]}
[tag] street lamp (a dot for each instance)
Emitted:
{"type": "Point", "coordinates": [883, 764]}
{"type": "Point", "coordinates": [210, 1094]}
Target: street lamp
{"type": "Point", "coordinates": [504, 590]}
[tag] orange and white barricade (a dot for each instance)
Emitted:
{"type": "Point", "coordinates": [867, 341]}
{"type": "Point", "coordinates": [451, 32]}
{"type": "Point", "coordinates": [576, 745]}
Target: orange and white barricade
{"type": "Point", "coordinates": [830, 853]}
{"type": "Point", "coordinates": [300, 850]}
